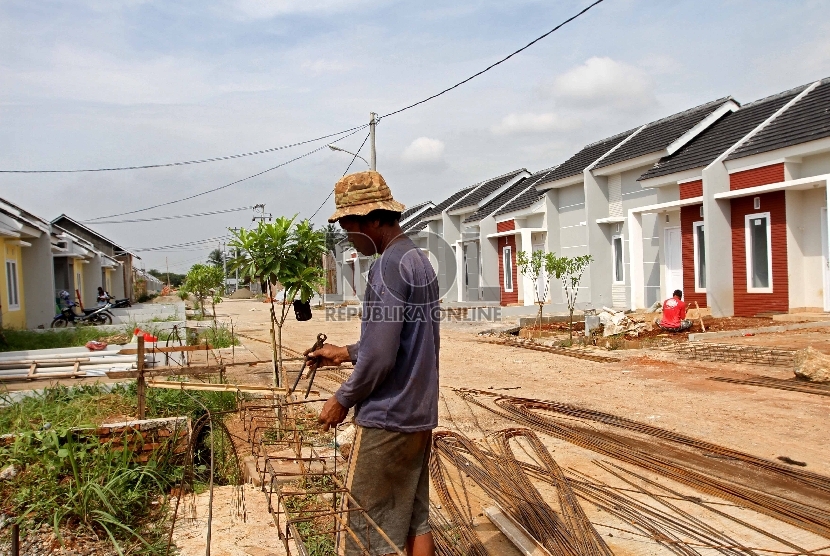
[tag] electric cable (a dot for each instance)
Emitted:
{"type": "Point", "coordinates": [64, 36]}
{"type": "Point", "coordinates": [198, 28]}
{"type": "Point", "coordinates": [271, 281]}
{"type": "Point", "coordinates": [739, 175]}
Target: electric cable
{"type": "Point", "coordinates": [344, 174]}
{"type": "Point", "coordinates": [350, 130]}
{"type": "Point", "coordinates": [186, 162]}
{"type": "Point", "coordinates": [491, 66]}
{"type": "Point", "coordinates": [185, 244]}
{"type": "Point", "coordinates": [223, 186]}
{"type": "Point", "coordinates": [174, 217]}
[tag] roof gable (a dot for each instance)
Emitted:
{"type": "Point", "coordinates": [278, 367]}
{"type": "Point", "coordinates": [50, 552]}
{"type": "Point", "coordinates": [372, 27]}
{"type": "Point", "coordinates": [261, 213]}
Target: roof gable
{"type": "Point", "coordinates": [724, 133]}
{"type": "Point", "coordinates": [485, 189]}
{"type": "Point", "coordinates": [806, 120]}
{"type": "Point", "coordinates": [530, 196]}
{"type": "Point", "coordinates": [658, 135]}
{"type": "Point", "coordinates": [587, 156]}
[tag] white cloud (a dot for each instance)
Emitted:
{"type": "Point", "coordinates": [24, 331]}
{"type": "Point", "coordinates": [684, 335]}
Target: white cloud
{"type": "Point", "coordinates": [529, 122]}
{"type": "Point", "coordinates": [322, 66]}
{"type": "Point", "coordinates": [604, 82]}
{"type": "Point", "coordinates": [424, 151]}
{"type": "Point", "coordinates": [266, 9]}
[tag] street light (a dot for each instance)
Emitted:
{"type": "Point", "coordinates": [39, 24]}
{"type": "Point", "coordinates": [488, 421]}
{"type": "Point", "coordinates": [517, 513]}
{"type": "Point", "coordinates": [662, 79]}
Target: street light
{"type": "Point", "coordinates": [336, 148]}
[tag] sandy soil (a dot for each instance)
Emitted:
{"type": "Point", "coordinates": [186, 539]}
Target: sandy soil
{"type": "Point", "coordinates": [645, 385]}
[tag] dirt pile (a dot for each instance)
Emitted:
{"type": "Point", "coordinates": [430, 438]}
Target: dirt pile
{"type": "Point", "coordinates": [813, 365]}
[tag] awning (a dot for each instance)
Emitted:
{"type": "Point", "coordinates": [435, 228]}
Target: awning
{"type": "Point", "coordinates": [794, 185]}
{"type": "Point", "coordinates": [664, 207]}
{"type": "Point", "coordinates": [515, 232]}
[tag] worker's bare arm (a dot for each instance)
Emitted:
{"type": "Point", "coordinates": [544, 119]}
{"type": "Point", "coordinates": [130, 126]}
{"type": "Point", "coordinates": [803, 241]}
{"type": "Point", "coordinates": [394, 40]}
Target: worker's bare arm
{"type": "Point", "coordinates": [332, 414]}
{"type": "Point", "coordinates": [331, 355]}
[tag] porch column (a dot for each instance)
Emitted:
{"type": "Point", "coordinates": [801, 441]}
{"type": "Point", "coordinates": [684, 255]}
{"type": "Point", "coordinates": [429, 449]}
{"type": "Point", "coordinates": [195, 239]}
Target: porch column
{"type": "Point", "coordinates": [635, 256]}
{"type": "Point", "coordinates": [459, 270]}
{"type": "Point", "coordinates": [527, 284]}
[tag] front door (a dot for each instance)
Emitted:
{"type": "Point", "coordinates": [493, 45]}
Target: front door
{"type": "Point", "coordinates": [471, 271]}
{"type": "Point", "coordinates": [674, 261]}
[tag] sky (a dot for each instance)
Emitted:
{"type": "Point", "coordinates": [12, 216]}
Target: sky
{"type": "Point", "coordinates": [103, 83]}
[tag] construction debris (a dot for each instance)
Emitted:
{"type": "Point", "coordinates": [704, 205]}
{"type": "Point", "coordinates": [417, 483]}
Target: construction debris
{"type": "Point", "coordinates": [812, 365]}
{"type": "Point", "coordinates": [569, 352]}
{"type": "Point", "coordinates": [616, 322]}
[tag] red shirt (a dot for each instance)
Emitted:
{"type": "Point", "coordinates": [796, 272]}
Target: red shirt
{"type": "Point", "coordinates": [674, 310]}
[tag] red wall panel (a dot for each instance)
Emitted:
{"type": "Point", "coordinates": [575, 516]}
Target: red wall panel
{"type": "Point", "coordinates": [773, 173]}
{"type": "Point", "coordinates": [508, 298]}
{"type": "Point", "coordinates": [688, 216]}
{"type": "Point", "coordinates": [505, 226]}
{"type": "Point", "coordinates": [691, 189]}
{"type": "Point", "coordinates": [750, 304]}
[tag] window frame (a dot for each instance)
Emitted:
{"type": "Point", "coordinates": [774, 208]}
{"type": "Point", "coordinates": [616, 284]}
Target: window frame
{"type": "Point", "coordinates": [748, 251]}
{"type": "Point", "coordinates": [614, 280]}
{"type": "Point", "coordinates": [13, 306]}
{"type": "Point", "coordinates": [696, 243]}
{"type": "Point", "coordinates": [507, 270]}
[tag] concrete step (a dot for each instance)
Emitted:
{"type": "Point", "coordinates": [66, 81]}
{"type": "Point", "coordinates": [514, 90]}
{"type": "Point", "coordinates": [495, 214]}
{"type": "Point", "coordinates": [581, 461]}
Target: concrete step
{"type": "Point", "coordinates": [802, 317]}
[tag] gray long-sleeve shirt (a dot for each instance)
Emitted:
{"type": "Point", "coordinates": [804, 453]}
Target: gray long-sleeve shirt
{"type": "Point", "coordinates": [394, 385]}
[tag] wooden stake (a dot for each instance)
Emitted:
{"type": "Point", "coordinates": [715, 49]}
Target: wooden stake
{"type": "Point", "coordinates": [142, 384]}
{"type": "Point", "coordinates": [700, 316]}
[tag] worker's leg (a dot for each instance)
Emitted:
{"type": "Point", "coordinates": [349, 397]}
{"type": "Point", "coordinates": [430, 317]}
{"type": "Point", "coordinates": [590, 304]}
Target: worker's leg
{"type": "Point", "coordinates": [384, 476]}
{"type": "Point", "coordinates": [685, 324]}
{"type": "Point", "coordinates": [421, 545]}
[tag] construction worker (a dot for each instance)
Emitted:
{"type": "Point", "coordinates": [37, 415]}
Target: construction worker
{"type": "Point", "coordinates": [674, 314]}
{"type": "Point", "coordinates": [394, 386]}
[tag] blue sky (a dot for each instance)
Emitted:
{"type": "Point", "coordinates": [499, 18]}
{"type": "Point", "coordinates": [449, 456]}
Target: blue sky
{"type": "Point", "coordinates": [100, 83]}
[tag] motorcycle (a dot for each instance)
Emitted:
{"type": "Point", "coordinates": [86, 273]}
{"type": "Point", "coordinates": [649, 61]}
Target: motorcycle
{"type": "Point", "coordinates": [120, 303]}
{"type": "Point", "coordinates": [67, 316]}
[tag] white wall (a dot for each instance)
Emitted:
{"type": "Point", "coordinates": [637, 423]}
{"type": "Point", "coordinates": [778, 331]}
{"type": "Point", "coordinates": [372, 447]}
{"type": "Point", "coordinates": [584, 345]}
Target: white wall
{"type": "Point", "coordinates": [804, 261]}
{"type": "Point", "coordinates": [38, 281]}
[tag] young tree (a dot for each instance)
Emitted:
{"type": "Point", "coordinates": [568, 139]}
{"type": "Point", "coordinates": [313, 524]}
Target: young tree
{"type": "Point", "coordinates": [569, 270]}
{"type": "Point", "coordinates": [534, 267]}
{"type": "Point", "coordinates": [286, 253]}
{"type": "Point", "coordinates": [201, 280]}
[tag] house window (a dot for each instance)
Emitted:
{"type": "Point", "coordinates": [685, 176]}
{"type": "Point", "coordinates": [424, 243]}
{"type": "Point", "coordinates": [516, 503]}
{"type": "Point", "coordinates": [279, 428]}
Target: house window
{"type": "Point", "coordinates": [11, 282]}
{"type": "Point", "coordinates": [507, 257]}
{"type": "Point", "coordinates": [619, 269]}
{"type": "Point", "coordinates": [758, 253]}
{"type": "Point", "coordinates": [700, 257]}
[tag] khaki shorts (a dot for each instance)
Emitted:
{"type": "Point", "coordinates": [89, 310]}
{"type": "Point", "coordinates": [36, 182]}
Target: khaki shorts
{"type": "Point", "coordinates": [388, 476]}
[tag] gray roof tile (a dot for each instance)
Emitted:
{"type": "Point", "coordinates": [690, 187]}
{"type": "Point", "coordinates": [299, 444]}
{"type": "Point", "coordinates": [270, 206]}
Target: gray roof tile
{"type": "Point", "coordinates": [486, 189]}
{"type": "Point", "coordinates": [806, 120]}
{"type": "Point", "coordinates": [658, 135]}
{"type": "Point", "coordinates": [721, 135]}
{"type": "Point", "coordinates": [529, 197]}
{"type": "Point", "coordinates": [502, 198]}
{"type": "Point", "coordinates": [437, 209]}
{"type": "Point", "coordinates": [584, 158]}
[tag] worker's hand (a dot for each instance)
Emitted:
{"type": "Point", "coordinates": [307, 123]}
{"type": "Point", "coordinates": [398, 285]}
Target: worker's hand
{"type": "Point", "coordinates": [330, 355]}
{"type": "Point", "coordinates": [332, 414]}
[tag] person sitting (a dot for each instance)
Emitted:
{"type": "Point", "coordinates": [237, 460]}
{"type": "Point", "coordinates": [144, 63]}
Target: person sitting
{"type": "Point", "coordinates": [103, 297]}
{"type": "Point", "coordinates": [674, 314]}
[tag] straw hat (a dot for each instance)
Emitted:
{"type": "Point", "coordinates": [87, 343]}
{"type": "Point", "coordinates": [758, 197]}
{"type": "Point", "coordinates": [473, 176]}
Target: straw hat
{"type": "Point", "coordinates": [360, 193]}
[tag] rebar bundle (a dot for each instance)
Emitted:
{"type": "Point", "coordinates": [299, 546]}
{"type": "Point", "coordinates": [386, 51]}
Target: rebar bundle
{"type": "Point", "coordinates": [799, 514]}
{"type": "Point", "coordinates": [568, 352]}
{"type": "Point", "coordinates": [500, 475]}
{"type": "Point", "coordinates": [780, 384]}
{"type": "Point", "coordinates": [736, 353]}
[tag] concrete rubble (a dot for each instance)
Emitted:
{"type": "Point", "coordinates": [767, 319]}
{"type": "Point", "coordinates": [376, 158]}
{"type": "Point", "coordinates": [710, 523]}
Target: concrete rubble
{"type": "Point", "coordinates": [617, 322]}
{"type": "Point", "coordinates": [813, 365]}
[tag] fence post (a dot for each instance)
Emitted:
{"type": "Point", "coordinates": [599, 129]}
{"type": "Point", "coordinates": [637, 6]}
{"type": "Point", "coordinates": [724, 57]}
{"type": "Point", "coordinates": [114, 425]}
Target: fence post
{"type": "Point", "coordinates": [142, 385]}
{"type": "Point", "coordinates": [15, 539]}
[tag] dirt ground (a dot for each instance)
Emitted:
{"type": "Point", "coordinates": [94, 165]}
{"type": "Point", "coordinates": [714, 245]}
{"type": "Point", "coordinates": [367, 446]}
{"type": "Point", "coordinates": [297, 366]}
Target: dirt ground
{"type": "Point", "coordinates": [644, 385]}
{"type": "Point", "coordinates": [650, 386]}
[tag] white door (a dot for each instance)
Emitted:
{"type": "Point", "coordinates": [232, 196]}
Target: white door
{"type": "Point", "coordinates": [825, 259]}
{"type": "Point", "coordinates": [674, 261]}
{"type": "Point", "coordinates": [540, 281]}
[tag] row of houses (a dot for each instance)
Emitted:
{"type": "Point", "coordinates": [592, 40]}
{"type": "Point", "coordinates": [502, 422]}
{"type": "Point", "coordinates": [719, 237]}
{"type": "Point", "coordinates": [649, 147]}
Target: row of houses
{"type": "Point", "coordinates": [43, 258]}
{"type": "Point", "coordinates": [725, 201]}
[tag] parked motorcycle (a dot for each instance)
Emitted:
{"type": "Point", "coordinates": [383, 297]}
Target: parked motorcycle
{"type": "Point", "coordinates": [120, 303]}
{"type": "Point", "coordinates": [67, 316]}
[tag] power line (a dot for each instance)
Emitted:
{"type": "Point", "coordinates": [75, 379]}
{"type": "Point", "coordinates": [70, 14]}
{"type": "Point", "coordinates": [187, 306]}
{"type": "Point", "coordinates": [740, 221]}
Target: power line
{"type": "Point", "coordinates": [223, 186]}
{"type": "Point", "coordinates": [186, 162]}
{"type": "Point", "coordinates": [211, 213]}
{"type": "Point", "coordinates": [185, 244]}
{"type": "Point", "coordinates": [344, 173]}
{"type": "Point", "coordinates": [491, 66]}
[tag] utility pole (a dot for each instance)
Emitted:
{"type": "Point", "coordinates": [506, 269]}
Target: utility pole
{"type": "Point", "coordinates": [167, 264]}
{"type": "Point", "coordinates": [236, 285]}
{"type": "Point", "coordinates": [224, 269]}
{"type": "Point", "coordinates": [262, 216]}
{"type": "Point", "coordinates": [373, 122]}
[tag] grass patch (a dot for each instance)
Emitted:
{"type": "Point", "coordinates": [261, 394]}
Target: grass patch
{"type": "Point", "coordinates": [20, 340]}
{"type": "Point", "coordinates": [70, 482]}
{"type": "Point", "coordinates": [218, 336]}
